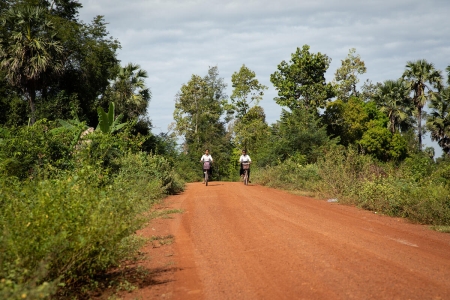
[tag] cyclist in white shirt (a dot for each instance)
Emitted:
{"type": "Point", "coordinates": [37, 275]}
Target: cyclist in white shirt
{"type": "Point", "coordinates": [206, 161]}
{"type": "Point", "coordinates": [245, 158]}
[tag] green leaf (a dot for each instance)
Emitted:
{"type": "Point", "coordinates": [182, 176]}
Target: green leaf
{"type": "Point", "coordinates": [111, 114]}
{"type": "Point", "coordinates": [103, 122]}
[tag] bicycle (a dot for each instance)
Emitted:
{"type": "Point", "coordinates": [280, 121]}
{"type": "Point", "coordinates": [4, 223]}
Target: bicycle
{"type": "Point", "coordinates": [246, 167]}
{"type": "Point", "coordinates": [206, 167]}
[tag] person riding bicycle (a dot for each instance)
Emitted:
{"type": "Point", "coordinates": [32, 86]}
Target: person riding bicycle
{"type": "Point", "coordinates": [245, 158]}
{"type": "Point", "coordinates": [206, 161]}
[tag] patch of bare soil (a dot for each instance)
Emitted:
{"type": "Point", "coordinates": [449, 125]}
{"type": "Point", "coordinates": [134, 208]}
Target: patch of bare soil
{"type": "Point", "coordinates": [251, 242]}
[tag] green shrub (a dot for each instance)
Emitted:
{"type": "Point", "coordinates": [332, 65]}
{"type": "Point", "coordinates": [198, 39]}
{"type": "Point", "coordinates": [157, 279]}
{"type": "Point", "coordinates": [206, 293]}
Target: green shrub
{"type": "Point", "coordinates": [341, 169]}
{"type": "Point", "coordinates": [69, 226]}
{"type": "Point", "coordinates": [293, 173]}
{"type": "Point", "coordinates": [65, 228]}
{"type": "Point", "coordinates": [417, 189]}
{"type": "Point", "coordinates": [24, 149]}
{"type": "Point", "coordinates": [190, 171]}
{"type": "Point", "coordinates": [417, 167]}
{"type": "Point", "coordinates": [144, 168]}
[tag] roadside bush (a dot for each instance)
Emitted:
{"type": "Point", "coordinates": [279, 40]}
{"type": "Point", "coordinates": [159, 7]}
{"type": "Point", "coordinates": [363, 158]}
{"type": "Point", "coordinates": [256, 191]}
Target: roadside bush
{"type": "Point", "coordinates": [190, 171]}
{"type": "Point", "coordinates": [417, 167]}
{"type": "Point", "coordinates": [416, 189]}
{"type": "Point", "coordinates": [293, 173]}
{"type": "Point", "coordinates": [69, 228]}
{"type": "Point", "coordinates": [25, 149]}
{"type": "Point", "coordinates": [75, 213]}
{"type": "Point", "coordinates": [342, 169]}
{"type": "Point", "coordinates": [144, 168]}
{"type": "Point", "coordinates": [442, 174]}
{"type": "Point", "coordinates": [382, 195]}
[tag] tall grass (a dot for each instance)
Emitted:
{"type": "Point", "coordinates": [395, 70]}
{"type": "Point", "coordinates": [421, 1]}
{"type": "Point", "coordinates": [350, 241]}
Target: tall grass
{"type": "Point", "coordinates": [417, 189]}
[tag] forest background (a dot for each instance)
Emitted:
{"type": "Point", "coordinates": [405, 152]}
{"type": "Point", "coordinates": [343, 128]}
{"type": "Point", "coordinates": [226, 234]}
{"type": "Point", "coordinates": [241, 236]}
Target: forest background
{"type": "Point", "coordinates": [81, 165]}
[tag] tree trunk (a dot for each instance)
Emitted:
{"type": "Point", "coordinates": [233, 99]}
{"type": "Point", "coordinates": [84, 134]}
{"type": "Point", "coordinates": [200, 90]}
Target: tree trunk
{"type": "Point", "coordinates": [196, 121]}
{"type": "Point", "coordinates": [392, 120]}
{"type": "Point", "coordinates": [419, 126]}
{"type": "Point", "coordinates": [31, 101]}
{"type": "Point", "coordinates": [419, 93]}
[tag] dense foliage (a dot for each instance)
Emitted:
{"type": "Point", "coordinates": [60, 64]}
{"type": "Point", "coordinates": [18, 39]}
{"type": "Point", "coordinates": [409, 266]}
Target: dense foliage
{"type": "Point", "coordinates": [72, 197]}
{"type": "Point", "coordinates": [363, 146]}
{"type": "Point", "coordinates": [417, 189]}
{"type": "Point", "coordinates": [69, 211]}
{"type": "Point", "coordinates": [80, 167]}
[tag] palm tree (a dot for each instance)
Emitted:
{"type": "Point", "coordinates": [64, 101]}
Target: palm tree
{"type": "Point", "coordinates": [448, 76]}
{"type": "Point", "coordinates": [422, 77]}
{"type": "Point", "coordinates": [439, 120]}
{"type": "Point", "coordinates": [129, 91]}
{"type": "Point", "coordinates": [393, 99]}
{"type": "Point", "coordinates": [28, 49]}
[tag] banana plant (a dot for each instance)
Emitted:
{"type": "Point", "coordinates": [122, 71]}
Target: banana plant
{"type": "Point", "coordinates": [74, 126]}
{"type": "Point", "coordinates": [107, 123]}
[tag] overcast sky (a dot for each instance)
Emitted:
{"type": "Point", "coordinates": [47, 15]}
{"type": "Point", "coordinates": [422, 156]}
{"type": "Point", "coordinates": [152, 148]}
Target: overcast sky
{"type": "Point", "coordinates": [173, 39]}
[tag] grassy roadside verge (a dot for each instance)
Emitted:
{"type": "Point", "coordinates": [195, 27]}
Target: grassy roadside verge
{"type": "Point", "coordinates": [58, 233]}
{"type": "Point", "coordinates": [415, 189]}
{"type": "Point", "coordinates": [69, 213]}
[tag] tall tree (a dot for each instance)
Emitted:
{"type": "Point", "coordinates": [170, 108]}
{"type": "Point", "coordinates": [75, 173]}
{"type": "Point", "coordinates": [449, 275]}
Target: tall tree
{"type": "Point", "coordinates": [199, 107]}
{"type": "Point", "coordinates": [393, 99]}
{"type": "Point", "coordinates": [422, 78]}
{"type": "Point", "coordinates": [438, 122]}
{"type": "Point", "coordinates": [129, 92]}
{"type": "Point", "coordinates": [346, 120]}
{"type": "Point", "coordinates": [90, 65]}
{"type": "Point", "coordinates": [246, 90]}
{"type": "Point", "coordinates": [350, 120]}
{"type": "Point", "coordinates": [301, 81]}
{"type": "Point", "coordinates": [251, 129]}
{"type": "Point", "coordinates": [299, 132]}
{"type": "Point", "coordinates": [66, 9]}
{"type": "Point", "coordinates": [346, 76]}
{"type": "Point", "coordinates": [29, 50]}
{"type": "Point", "coordinates": [200, 117]}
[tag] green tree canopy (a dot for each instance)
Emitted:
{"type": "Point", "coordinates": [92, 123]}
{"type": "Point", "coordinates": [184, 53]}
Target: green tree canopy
{"type": "Point", "coordinates": [29, 50]}
{"type": "Point", "coordinates": [379, 142]}
{"type": "Point", "coordinates": [349, 120]}
{"type": "Point", "coordinates": [298, 132]}
{"type": "Point", "coordinates": [73, 75]}
{"type": "Point", "coordinates": [246, 90]}
{"type": "Point", "coordinates": [91, 64]}
{"type": "Point", "coordinates": [200, 113]}
{"type": "Point", "coordinates": [251, 130]}
{"type": "Point", "coordinates": [129, 92]}
{"type": "Point", "coordinates": [199, 107]}
{"type": "Point", "coordinates": [346, 76]}
{"type": "Point", "coordinates": [448, 75]}
{"type": "Point", "coordinates": [346, 120]}
{"type": "Point", "coordinates": [301, 81]}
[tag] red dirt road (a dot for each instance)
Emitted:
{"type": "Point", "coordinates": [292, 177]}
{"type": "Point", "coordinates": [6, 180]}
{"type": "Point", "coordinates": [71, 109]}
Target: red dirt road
{"type": "Point", "coordinates": [252, 242]}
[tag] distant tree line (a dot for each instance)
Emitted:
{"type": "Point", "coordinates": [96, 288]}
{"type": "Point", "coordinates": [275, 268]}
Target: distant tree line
{"type": "Point", "coordinates": [54, 66]}
{"type": "Point", "coordinates": [385, 120]}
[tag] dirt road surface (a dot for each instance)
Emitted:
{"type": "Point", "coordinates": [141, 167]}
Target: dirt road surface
{"type": "Point", "coordinates": [251, 242]}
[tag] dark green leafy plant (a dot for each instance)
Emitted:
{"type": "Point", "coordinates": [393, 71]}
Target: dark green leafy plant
{"type": "Point", "coordinates": [107, 122]}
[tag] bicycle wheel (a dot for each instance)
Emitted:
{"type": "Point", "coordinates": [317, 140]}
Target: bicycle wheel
{"type": "Point", "coordinates": [206, 178]}
{"type": "Point", "coordinates": [245, 177]}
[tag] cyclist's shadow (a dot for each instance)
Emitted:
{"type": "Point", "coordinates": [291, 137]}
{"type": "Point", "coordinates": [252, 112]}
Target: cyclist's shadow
{"type": "Point", "coordinates": [214, 183]}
